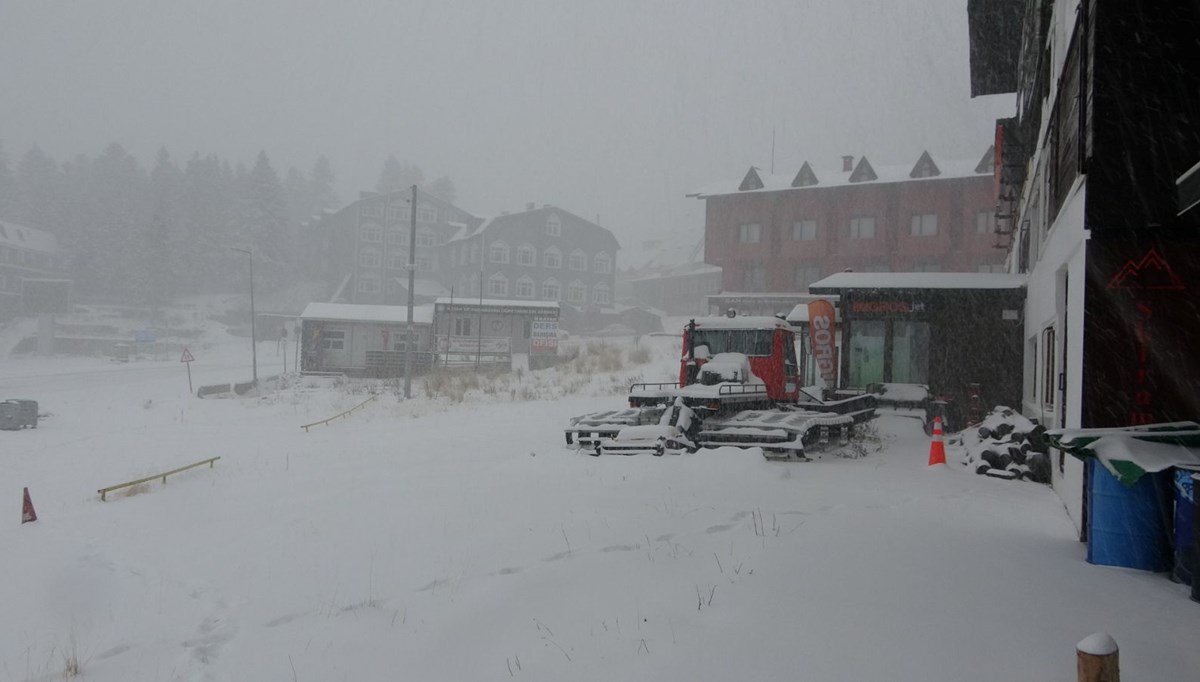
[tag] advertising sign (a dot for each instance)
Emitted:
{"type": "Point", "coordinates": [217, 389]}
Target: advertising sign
{"type": "Point", "coordinates": [822, 328]}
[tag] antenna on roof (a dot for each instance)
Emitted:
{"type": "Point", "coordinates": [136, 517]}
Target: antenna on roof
{"type": "Point", "coordinates": [772, 151]}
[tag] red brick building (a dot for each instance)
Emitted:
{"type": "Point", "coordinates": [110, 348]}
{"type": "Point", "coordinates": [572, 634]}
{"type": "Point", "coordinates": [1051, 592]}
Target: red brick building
{"type": "Point", "coordinates": [780, 233]}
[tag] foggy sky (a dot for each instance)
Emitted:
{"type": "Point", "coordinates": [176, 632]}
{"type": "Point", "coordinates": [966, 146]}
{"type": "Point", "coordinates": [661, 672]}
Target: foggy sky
{"type": "Point", "coordinates": [613, 109]}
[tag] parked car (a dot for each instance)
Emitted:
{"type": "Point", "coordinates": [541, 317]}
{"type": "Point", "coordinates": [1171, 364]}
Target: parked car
{"type": "Point", "coordinates": [17, 413]}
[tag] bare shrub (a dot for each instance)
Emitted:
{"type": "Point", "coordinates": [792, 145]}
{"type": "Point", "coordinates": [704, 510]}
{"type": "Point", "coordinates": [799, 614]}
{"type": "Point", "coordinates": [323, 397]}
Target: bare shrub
{"type": "Point", "coordinates": [639, 355]}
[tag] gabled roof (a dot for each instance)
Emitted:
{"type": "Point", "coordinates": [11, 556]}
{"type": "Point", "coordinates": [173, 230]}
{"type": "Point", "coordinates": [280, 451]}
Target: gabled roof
{"type": "Point", "coordinates": [751, 180]}
{"type": "Point", "coordinates": [31, 238]}
{"type": "Point", "coordinates": [517, 218]}
{"type": "Point", "coordinates": [806, 177]}
{"type": "Point", "coordinates": [863, 172]}
{"type": "Point", "coordinates": [988, 163]}
{"type": "Point", "coordinates": [925, 167]}
{"type": "Point", "coordinates": [357, 312]}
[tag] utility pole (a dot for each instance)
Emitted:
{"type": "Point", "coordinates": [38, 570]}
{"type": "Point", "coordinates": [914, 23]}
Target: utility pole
{"type": "Point", "coordinates": [412, 276]}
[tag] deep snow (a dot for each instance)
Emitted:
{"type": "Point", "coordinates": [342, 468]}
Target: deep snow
{"type": "Point", "coordinates": [440, 541]}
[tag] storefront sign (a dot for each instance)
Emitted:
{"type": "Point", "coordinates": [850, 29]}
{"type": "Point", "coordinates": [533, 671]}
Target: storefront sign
{"type": "Point", "coordinates": [536, 312]}
{"type": "Point", "coordinates": [884, 307]}
{"type": "Point", "coordinates": [1139, 366]}
{"type": "Point", "coordinates": [473, 344]}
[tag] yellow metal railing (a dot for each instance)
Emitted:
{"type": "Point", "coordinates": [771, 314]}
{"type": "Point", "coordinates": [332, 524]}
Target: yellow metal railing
{"type": "Point", "coordinates": [323, 422]}
{"type": "Point", "coordinates": [105, 491]}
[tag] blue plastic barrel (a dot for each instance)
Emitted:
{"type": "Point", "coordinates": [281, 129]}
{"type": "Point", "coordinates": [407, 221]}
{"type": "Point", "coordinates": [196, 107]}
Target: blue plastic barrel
{"type": "Point", "coordinates": [1129, 526]}
{"type": "Point", "coordinates": [1185, 515]}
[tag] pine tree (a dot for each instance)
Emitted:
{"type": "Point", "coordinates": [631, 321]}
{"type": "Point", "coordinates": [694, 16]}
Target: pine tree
{"type": "Point", "coordinates": [119, 206]}
{"type": "Point", "coordinates": [37, 190]}
{"type": "Point", "coordinates": [262, 223]}
{"type": "Point", "coordinates": [163, 236]}
{"type": "Point", "coordinates": [443, 188]}
{"type": "Point", "coordinates": [323, 195]}
{"type": "Point", "coordinates": [392, 176]}
{"type": "Point", "coordinates": [7, 186]}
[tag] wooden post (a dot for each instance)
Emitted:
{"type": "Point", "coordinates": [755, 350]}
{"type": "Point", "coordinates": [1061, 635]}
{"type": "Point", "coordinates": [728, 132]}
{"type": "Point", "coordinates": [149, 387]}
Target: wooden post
{"type": "Point", "coordinates": [1097, 659]}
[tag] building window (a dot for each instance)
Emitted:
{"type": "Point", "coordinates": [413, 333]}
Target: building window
{"type": "Point", "coordinates": [804, 230]}
{"type": "Point", "coordinates": [576, 292]}
{"type": "Point", "coordinates": [497, 285]}
{"type": "Point", "coordinates": [397, 236]}
{"type": "Point", "coordinates": [806, 274]}
{"type": "Point", "coordinates": [426, 214]}
{"type": "Point", "coordinates": [524, 288]}
{"type": "Point", "coordinates": [754, 278]}
{"type": "Point", "coordinates": [333, 340]}
{"type": "Point", "coordinates": [551, 291]}
{"type": "Point", "coordinates": [371, 232]}
{"type": "Point", "coordinates": [927, 267]}
{"type": "Point", "coordinates": [750, 233]}
{"type": "Point", "coordinates": [526, 255]}
{"type": "Point", "coordinates": [578, 261]}
{"type": "Point", "coordinates": [1048, 369]}
{"type": "Point", "coordinates": [398, 260]}
{"type": "Point", "coordinates": [602, 263]}
{"type": "Point", "coordinates": [462, 326]}
{"type": "Point", "coordinates": [600, 294]}
{"type": "Point", "coordinates": [424, 264]}
{"type": "Point", "coordinates": [370, 258]}
{"type": "Point", "coordinates": [554, 226]}
{"type": "Point", "coordinates": [498, 253]}
{"type": "Point", "coordinates": [862, 227]}
{"type": "Point", "coordinates": [371, 211]}
{"type": "Point", "coordinates": [924, 225]}
{"type": "Point", "coordinates": [985, 222]}
{"type": "Point", "coordinates": [426, 238]}
{"type": "Point", "coordinates": [368, 284]}
{"type": "Point", "coordinates": [552, 258]}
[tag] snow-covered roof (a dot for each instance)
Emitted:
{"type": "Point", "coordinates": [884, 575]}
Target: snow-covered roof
{"type": "Point", "coordinates": [21, 237]}
{"type": "Point", "coordinates": [504, 302]}
{"type": "Point", "coordinates": [741, 322]}
{"type": "Point", "coordinates": [423, 286]}
{"type": "Point", "coordinates": [683, 270]}
{"type": "Point", "coordinates": [357, 312]}
{"type": "Point", "coordinates": [827, 177]}
{"type": "Point", "coordinates": [800, 312]}
{"type": "Point", "coordinates": [919, 280]}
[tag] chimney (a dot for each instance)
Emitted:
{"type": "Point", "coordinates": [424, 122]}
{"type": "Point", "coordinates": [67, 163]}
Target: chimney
{"type": "Point", "coordinates": [529, 206]}
{"type": "Point", "coordinates": [847, 164]}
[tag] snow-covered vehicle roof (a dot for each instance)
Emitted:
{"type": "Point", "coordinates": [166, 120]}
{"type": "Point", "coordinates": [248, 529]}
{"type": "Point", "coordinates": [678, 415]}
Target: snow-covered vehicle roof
{"type": "Point", "coordinates": [747, 322]}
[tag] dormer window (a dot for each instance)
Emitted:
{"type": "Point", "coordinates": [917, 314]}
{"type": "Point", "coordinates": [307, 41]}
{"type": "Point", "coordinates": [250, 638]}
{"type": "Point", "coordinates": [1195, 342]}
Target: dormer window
{"type": "Point", "coordinates": [554, 226]}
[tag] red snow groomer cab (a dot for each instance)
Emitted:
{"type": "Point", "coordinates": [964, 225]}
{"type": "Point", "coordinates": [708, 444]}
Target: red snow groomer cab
{"type": "Point", "coordinates": [739, 385]}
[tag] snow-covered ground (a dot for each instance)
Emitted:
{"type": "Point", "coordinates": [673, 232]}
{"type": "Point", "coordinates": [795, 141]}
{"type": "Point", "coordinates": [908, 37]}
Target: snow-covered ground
{"type": "Point", "coordinates": [445, 540]}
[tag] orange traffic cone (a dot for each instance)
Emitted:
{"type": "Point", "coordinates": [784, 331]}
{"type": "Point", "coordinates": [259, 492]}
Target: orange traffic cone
{"type": "Point", "coordinates": [27, 512]}
{"type": "Point", "coordinates": [937, 449]}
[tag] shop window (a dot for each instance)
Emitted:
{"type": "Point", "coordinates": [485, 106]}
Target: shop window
{"type": "Point", "coordinates": [910, 352]}
{"type": "Point", "coordinates": [866, 352]}
{"type": "Point", "coordinates": [333, 340]}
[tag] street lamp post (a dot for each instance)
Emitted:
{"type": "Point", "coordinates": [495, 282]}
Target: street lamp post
{"type": "Point", "coordinates": [253, 336]}
{"type": "Point", "coordinates": [412, 275]}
